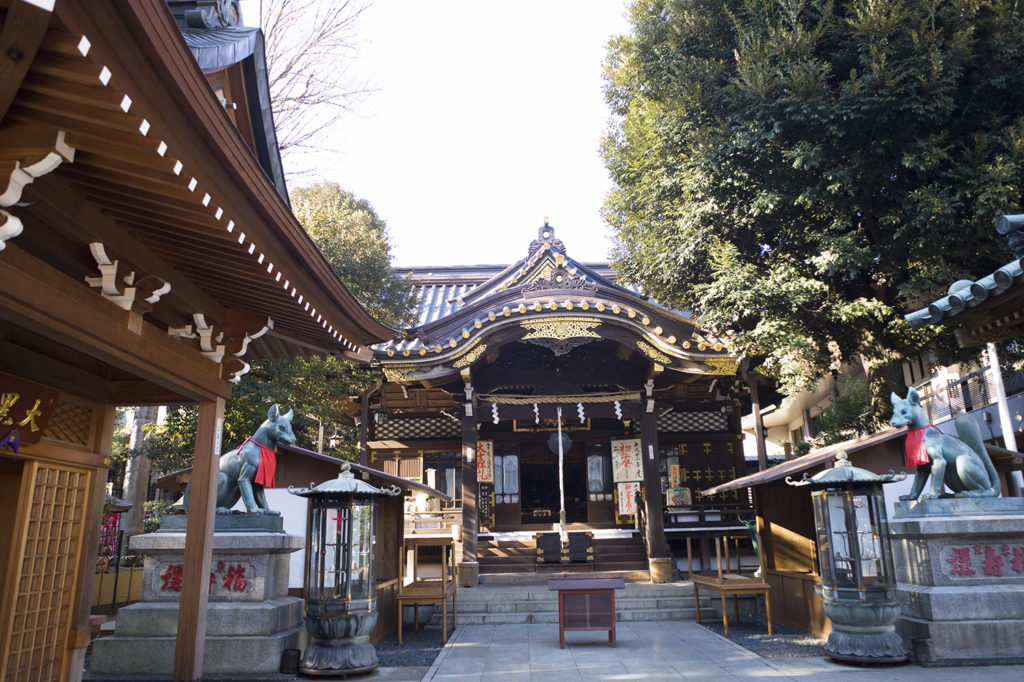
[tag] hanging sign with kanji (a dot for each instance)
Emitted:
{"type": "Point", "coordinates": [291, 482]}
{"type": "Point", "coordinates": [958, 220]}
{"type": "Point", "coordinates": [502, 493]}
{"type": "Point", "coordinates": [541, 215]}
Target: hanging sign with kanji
{"type": "Point", "coordinates": [485, 461]}
{"type": "Point", "coordinates": [24, 407]}
{"type": "Point", "coordinates": [627, 461]}
{"type": "Point", "coordinates": [627, 498]}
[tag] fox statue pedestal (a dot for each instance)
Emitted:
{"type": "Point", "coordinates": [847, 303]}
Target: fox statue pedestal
{"type": "Point", "coordinates": [251, 619]}
{"type": "Point", "coordinates": [960, 567]}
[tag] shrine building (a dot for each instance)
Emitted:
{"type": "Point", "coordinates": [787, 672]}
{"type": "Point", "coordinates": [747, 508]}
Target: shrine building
{"type": "Point", "coordinates": [501, 360]}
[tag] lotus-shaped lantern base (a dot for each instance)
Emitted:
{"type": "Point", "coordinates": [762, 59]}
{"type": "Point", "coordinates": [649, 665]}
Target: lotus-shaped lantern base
{"type": "Point", "coordinates": [340, 644]}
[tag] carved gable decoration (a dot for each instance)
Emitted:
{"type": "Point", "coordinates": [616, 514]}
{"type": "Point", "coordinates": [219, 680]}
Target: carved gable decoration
{"type": "Point", "coordinates": [561, 334]}
{"type": "Point", "coordinates": [560, 278]}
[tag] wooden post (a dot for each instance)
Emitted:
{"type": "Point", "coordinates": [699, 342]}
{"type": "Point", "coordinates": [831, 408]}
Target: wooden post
{"type": "Point", "coordinates": [755, 404]}
{"type": "Point", "coordinates": [364, 425]}
{"type": "Point", "coordinates": [80, 634]}
{"type": "Point", "coordinates": [653, 507]}
{"type": "Point", "coordinates": [189, 647]}
{"type": "Point", "coordinates": [468, 567]}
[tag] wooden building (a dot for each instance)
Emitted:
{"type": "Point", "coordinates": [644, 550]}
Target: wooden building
{"type": "Point", "coordinates": [300, 468]}
{"type": "Point", "coordinates": [147, 254]}
{"type": "Point", "coordinates": [648, 400]}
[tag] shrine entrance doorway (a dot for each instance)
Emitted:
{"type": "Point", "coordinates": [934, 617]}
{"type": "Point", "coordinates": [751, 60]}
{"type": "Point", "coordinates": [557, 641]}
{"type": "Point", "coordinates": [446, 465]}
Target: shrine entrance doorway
{"type": "Point", "coordinates": [538, 471]}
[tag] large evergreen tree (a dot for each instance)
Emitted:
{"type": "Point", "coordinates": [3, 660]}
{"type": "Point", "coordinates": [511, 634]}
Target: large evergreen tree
{"type": "Point", "coordinates": [801, 173]}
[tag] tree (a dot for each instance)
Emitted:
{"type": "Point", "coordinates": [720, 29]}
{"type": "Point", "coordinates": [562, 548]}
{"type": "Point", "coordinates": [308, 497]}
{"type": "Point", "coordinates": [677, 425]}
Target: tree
{"type": "Point", "coordinates": [309, 47]}
{"type": "Point", "coordinates": [354, 240]}
{"type": "Point", "coordinates": [800, 173]}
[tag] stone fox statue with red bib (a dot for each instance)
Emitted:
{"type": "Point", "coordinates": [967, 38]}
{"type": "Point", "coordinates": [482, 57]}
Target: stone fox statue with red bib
{"type": "Point", "coordinates": [961, 463]}
{"type": "Point", "coordinates": [249, 468]}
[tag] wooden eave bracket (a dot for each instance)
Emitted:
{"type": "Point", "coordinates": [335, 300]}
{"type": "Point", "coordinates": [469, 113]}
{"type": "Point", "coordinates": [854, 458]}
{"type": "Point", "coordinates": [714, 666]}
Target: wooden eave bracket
{"type": "Point", "coordinates": [124, 290]}
{"type": "Point", "coordinates": [26, 153]}
{"type": "Point", "coordinates": [225, 344]}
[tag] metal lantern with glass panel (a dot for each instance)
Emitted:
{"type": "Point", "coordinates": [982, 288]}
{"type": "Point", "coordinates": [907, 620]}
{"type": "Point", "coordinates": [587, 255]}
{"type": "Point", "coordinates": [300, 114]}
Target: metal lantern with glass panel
{"type": "Point", "coordinates": [341, 536]}
{"type": "Point", "coordinates": [858, 583]}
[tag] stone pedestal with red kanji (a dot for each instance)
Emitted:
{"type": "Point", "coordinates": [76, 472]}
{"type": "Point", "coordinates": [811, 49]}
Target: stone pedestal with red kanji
{"type": "Point", "coordinates": [960, 567]}
{"type": "Point", "coordinates": [250, 620]}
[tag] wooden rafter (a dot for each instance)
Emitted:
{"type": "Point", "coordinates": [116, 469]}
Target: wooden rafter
{"type": "Point", "coordinates": [23, 29]}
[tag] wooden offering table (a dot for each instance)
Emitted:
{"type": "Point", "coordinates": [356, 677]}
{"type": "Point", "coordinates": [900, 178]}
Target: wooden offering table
{"type": "Point", "coordinates": [726, 583]}
{"type": "Point", "coordinates": [586, 604]}
{"type": "Point", "coordinates": [417, 589]}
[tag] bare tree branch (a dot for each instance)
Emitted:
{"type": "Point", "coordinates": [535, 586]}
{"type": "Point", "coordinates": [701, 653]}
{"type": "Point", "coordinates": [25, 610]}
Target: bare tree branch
{"type": "Point", "coordinates": [310, 46]}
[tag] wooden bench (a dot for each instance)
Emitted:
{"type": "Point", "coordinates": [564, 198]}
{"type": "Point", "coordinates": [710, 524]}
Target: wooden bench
{"type": "Point", "coordinates": [428, 590]}
{"type": "Point", "coordinates": [725, 583]}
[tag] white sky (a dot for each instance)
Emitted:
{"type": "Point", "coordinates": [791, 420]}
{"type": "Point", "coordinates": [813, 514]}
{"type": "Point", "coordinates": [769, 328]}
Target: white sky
{"type": "Point", "coordinates": [486, 117]}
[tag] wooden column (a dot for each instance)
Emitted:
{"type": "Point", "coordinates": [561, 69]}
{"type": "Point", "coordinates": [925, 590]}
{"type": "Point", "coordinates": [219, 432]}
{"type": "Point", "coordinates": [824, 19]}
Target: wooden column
{"type": "Point", "coordinates": [364, 425]}
{"type": "Point", "coordinates": [188, 650]}
{"type": "Point", "coordinates": [755, 406]}
{"type": "Point", "coordinates": [653, 507]}
{"type": "Point", "coordinates": [81, 633]}
{"type": "Point", "coordinates": [469, 569]}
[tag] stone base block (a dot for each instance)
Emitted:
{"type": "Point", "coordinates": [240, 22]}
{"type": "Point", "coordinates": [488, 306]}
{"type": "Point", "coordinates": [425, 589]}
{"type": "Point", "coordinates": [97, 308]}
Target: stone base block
{"type": "Point", "coordinates": [954, 603]}
{"type": "Point", "coordinates": [467, 574]}
{"type": "Point", "coordinates": [963, 642]}
{"type": "Point", "coordinates": [223, 655]}
{"type": "Point", "coordinates": [661, 569]}
{"type": "Point", "coordinates": [960, 567]}
{"type": "Point", "coordinates": [223, 619]}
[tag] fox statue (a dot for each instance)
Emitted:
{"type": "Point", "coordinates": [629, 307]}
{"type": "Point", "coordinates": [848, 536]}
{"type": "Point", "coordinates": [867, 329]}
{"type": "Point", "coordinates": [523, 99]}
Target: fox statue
{"type": "Point", "coordinates": [961, 463]}
{"type": "Point", "coordinates": [249, 468]}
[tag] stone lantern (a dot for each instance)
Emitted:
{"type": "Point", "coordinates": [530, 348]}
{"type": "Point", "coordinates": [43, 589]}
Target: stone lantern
{"type": "Point", "coordinates": [341, 535]}
{"type": "Point", "coordinates": [858, 582]}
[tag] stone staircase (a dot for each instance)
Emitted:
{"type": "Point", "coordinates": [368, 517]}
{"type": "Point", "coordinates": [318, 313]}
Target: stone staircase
{"type": "Point", "coordinates": [512, 558]}
{"type": "Point", "coordinates": [499, 604]}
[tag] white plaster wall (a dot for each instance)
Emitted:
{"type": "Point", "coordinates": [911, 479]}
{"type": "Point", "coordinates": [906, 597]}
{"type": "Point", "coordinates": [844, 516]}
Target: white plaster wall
{"type": "Point", "coordinates": [293, 508]}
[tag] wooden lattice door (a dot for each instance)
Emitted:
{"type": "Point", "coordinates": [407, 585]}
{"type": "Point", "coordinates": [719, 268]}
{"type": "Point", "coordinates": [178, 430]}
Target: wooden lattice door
{"type": "Point", "coordinates": [44, 562]}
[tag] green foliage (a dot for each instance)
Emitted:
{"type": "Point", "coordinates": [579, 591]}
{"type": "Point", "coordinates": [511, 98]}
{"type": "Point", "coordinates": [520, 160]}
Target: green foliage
{"type": "Point", "coordinates": [848, 414]}
{"type": "Point", "coordinates": [155, 510]}
{"type": "Point", "coordinates": [804, 172]}
{"type": "Point", "coordinates": [120, 450]}
{"type": "Point", "coordinates": [354, 240]}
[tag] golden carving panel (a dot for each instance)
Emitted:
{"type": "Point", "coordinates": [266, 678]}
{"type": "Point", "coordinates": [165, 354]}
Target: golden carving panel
{"type": "Point", "coordinates": [561, 328]}
{"type": "Point", "coordinates": [722, 366]}
{"type": "Point", "coordinates": [399, 373]}
{"type": "Point", "coordinates": [470, 356]}
{"type": "Point", "coordinates": [653, 353]}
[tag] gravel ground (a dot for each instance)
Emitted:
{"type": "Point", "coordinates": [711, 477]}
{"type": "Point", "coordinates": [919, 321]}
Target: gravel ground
{"type": "Point", "coordinates": [417, 649]}
{"type": "Point", "coordinates": [785, 642]}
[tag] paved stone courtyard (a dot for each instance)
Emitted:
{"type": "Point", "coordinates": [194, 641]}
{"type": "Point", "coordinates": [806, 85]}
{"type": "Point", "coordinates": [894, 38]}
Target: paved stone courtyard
{"type": "Point", "coordinates": [652, 651]}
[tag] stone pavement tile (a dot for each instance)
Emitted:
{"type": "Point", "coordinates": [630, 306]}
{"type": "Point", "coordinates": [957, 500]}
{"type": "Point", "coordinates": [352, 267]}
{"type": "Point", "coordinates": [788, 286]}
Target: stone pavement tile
{"type": "Point", "coordinates": [476, 634]}
{"type": "Point", "coordinates": [463, 677]}
{"type": "Point", "coordinates": [563, 675]}
{"type": "Point", "coordinates": [400, 674]}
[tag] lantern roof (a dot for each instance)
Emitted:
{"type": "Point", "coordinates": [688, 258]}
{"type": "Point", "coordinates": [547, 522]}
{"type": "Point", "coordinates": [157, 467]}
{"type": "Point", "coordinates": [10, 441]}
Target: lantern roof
{"type": "Point", "coordinates": [845, 473]}
{"type": "Point", "coordinates": [346, 484]}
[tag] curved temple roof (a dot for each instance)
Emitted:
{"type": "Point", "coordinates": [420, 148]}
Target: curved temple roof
{"type": "Point", "coordinates": [548, 298]}
{"type": "Point", "coordinates": [988, 308]}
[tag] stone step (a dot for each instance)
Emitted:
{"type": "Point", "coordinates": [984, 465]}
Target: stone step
{"type": "Point", "coordinates": [551, 617]}
{"type": "Point", "coordinates": [551, 605]}
{"type": "Point", "coordinates": [543, 577]}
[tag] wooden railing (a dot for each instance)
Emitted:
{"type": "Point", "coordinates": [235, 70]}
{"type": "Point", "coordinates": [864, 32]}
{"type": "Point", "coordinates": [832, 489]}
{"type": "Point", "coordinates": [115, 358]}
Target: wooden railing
{"type": "Point", "coordinates": [421, 523]}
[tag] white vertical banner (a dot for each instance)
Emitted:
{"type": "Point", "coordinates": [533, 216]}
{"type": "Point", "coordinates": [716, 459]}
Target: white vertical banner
{"type": "Point", "coordinates": [627, 463]}
{"type": "Point", "coordinates": [485, 461]}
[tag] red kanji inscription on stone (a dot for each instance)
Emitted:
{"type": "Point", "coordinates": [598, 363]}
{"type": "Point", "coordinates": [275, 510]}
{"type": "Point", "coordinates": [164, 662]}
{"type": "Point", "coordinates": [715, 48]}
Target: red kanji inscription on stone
{"type": "Point", "coordinates": [171, 578]}
{"type": "Point", "coordinates": [960, 562]}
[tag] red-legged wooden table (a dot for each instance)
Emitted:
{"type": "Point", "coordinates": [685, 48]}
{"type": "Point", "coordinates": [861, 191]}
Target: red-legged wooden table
{"type": "Point", "coordinates": [586, 604]}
